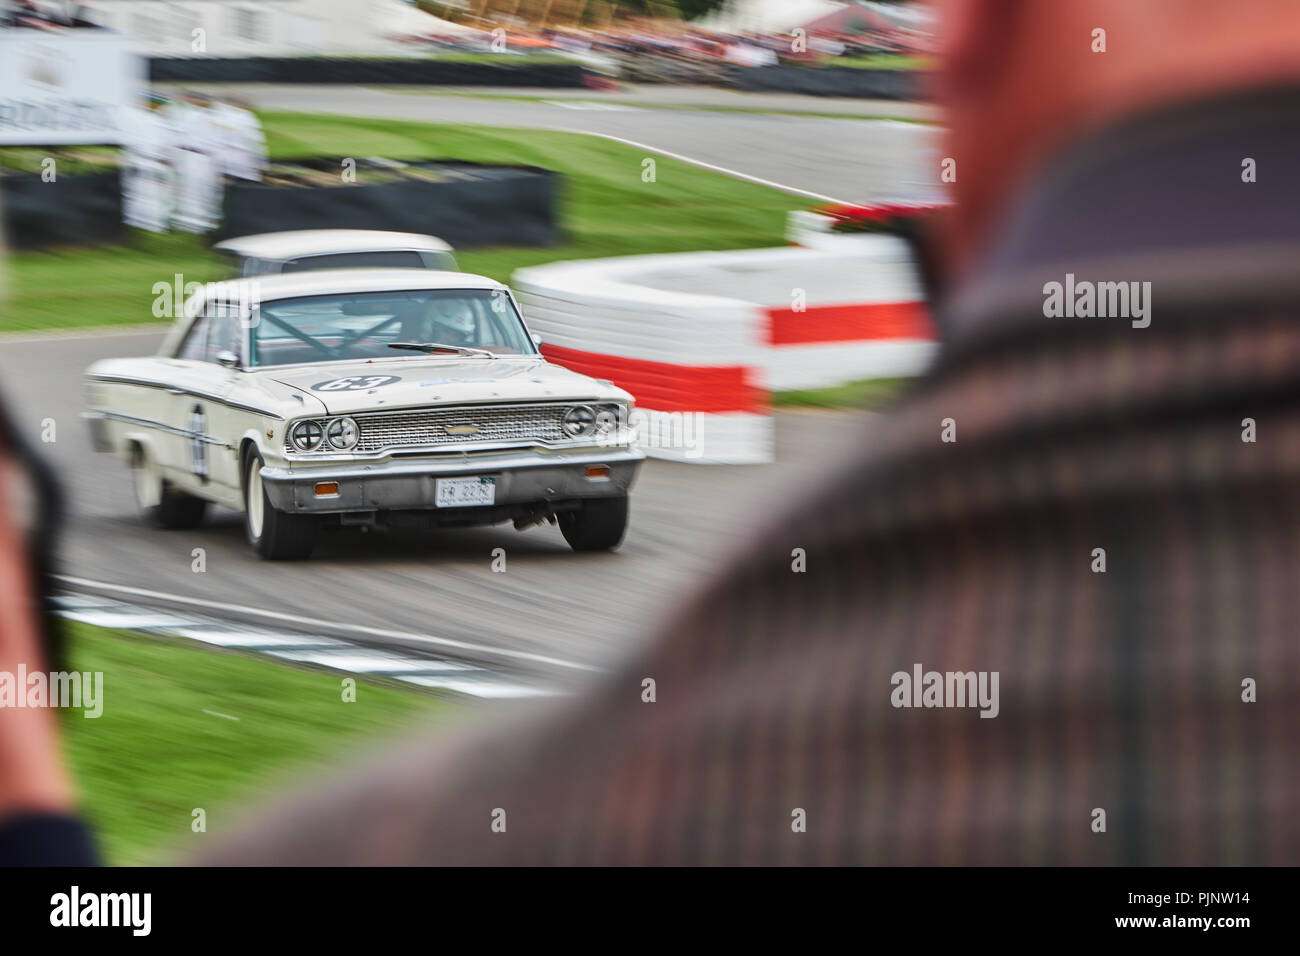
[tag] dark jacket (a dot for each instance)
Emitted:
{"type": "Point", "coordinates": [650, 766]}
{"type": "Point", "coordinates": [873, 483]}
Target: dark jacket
{"type": "Point", "coordinates": [1163, 690]}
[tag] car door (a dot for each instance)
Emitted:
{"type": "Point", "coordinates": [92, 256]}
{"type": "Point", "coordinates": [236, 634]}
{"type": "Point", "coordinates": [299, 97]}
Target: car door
{"type": "Point", "coordinates": [173, 450]}
{"type": "Point", "coordinates": [221, 421]}
{"type": "Point", "coordinates": [197, 450]}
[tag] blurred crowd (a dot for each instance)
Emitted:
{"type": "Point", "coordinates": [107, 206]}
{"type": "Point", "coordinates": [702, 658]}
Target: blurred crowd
{"type": "Point", "coordinates": [39, 16]}
{"type": "Point", "coordinates": [179, 153]}
{"type": "Point", "coordinates": [639, 45]}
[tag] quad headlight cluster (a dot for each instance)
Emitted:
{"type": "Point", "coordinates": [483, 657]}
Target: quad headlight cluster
{"type": "Point", "coordinates": [331, 434]}
{"type": "Point", "coordinates": [581, 421]}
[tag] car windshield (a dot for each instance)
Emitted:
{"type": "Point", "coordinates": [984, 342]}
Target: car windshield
{"type": "Point", "coordinates": [324, 328]}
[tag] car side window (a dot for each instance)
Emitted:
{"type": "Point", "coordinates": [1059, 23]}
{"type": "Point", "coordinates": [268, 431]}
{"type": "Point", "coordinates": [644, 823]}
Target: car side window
{"type": "Point", "coordinates": [224, 331]}
{"type": "Point", "coordinates": [196, 341]}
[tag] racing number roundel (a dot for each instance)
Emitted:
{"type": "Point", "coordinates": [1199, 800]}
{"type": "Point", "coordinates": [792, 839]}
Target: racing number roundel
{"type": "Point", "coordinates": [355, 383]}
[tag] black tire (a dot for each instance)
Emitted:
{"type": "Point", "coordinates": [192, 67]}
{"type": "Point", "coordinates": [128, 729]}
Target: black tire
{"type": "Point", "coordinates": [599, 525]}
{"type": "Point", "coordinates": [174, 509]}
{"type": "Point", "coordinates": [281, 536]}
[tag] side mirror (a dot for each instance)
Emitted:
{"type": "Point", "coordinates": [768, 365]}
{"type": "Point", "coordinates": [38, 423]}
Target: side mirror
{"type": "Point", "coordinates": [227, 359]}
{"type": "Point", "coordinates": [537, 339]}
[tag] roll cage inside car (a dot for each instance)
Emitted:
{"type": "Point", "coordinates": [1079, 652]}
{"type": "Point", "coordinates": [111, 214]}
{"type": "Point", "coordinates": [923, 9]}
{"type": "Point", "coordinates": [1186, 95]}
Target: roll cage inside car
{"type": "Point", "coordinates": [211, 313]}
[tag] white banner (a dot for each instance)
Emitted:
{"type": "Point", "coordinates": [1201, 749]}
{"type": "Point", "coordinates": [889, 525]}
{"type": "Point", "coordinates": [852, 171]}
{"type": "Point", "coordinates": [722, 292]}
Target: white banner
{"type": "Point", "coordinates": [70, 87]}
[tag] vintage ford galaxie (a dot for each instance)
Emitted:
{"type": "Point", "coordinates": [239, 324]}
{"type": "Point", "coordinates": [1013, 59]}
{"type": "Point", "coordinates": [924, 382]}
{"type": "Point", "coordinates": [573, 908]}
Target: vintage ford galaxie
{"type": "Point", "coordinates": [370, 397]}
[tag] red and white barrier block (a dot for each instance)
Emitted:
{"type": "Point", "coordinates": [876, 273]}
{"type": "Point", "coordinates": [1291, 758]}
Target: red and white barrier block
{"type": "Point", "coordinates": [702, 339]}
{"type": "Point", "coordinates": [690, 360]}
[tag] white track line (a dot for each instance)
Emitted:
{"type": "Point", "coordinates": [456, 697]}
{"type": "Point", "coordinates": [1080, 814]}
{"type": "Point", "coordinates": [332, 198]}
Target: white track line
{"type": "Point", "coordinates": [733, 173]}
{"type": "Point", "coordinates": [327, 625]}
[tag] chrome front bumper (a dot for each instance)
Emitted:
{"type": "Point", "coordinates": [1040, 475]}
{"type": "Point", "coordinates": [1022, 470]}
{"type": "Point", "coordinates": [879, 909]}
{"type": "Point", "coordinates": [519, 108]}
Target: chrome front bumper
{"type": "Point", "coordinates": [409, 484]}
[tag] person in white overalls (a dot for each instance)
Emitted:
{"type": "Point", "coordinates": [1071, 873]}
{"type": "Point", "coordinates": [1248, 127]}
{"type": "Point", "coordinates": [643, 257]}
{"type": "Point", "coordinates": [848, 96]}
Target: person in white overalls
{"type": "Point", "coordinates": [146, 175]}
{"type": "Point", "coordinates": [245, 154]}
{"type": "Point", "coordinates": [197, 148]}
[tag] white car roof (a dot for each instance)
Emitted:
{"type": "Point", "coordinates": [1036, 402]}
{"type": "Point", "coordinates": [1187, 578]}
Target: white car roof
{"type": "Point", "coordinates": [312, 242]}
{"type": "Point", "coordinates": [330, 281]}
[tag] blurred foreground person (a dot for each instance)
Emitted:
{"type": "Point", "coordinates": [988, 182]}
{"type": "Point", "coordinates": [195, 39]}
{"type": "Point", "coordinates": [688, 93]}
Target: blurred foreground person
{"type": "Point", "coordinates": [37, 825]}
{"type": "Point", "coordinates": [1086, 529]}
{"type": "Point", "coordinates": [1107, 545]}
{"type": "Point", "coordinates": [36, 798]}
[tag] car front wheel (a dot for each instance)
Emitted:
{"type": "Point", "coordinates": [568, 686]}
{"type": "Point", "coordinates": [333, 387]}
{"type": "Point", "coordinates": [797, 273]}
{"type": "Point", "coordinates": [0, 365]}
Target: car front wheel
{"type": "Point", "coordinates": [275, 535]}
{"type": "Point", "coordinates": [598, 525]}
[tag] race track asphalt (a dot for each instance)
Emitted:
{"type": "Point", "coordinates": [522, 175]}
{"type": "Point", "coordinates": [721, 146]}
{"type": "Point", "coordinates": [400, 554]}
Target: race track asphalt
{"type": "Point", "coordinates": [579, 609]}
{"type": "Point", "coordinates": [843, 160]}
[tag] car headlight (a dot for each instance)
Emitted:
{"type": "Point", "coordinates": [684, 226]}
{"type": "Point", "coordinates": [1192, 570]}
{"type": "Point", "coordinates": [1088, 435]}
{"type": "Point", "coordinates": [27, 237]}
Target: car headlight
{"type": "Point", "coordinates": [342, 433]}
{"type": "Point", "coordinates": [306, 436]}
{"type": "Point", "coordinates": [607, 420]}
{"type": "Point", "coordinates": [578, 421]}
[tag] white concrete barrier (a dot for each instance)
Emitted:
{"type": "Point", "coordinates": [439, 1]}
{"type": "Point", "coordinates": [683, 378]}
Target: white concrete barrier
{"type": "Point", "coordinates": [702, 339]}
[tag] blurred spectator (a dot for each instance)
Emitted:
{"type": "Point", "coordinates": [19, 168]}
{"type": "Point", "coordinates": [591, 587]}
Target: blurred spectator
{"type": "Point", "coordinates": [178, 157]}
{"type": "Point", "coordinates": [775, 732]}
{"type": "Point", "coordinates": [148, 180]}
{"type": "Point", "coordinates": [36, 797]}
{"type": "Point", "coordinates": [1126, 729]}
{"type": "Point", "coordinates": [243, 150]}
{"type": "Point", "coordinates": [196, 158]}
{"type": "Point", "coordinates": [29, 13]}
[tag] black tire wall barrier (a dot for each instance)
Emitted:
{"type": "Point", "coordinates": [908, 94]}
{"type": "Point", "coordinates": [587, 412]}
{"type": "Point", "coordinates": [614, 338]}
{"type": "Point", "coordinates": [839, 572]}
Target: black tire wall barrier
{"type": "Point", "coordinates": [367, 72]}
{"type": "Point", "coordinates": [71, 211]}
{"type": "Point", "coordinates": [502, 206]}
{"type": "Point", "coordinates": [832, 81]}
{"type": "Point", "coordinates": [814, 81]}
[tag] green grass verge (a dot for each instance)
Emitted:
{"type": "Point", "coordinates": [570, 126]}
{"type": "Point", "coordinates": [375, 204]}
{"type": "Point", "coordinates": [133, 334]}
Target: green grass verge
{"type": "Point", "coordinates": [606, 210]}
{"type": "Point", "coordinates": [101, 285]}
{"type": "Point", "coordinates": [69, 160]}
{"type": "Point", "coordinates": [883, 61]}
{"type": "Point", "coordinates": [154, 755]}
{"type": "Point", "coordinates": [874, 395]}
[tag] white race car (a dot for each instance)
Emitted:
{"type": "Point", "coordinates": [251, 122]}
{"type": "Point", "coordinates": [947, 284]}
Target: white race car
{"type": "Point", "coordinates": [365, 397]}
{"type": "Point", "coordinates": [300, 250]}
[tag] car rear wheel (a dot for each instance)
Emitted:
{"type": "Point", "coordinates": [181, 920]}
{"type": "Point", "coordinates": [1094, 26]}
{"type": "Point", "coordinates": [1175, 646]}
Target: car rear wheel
{"type": "Point", "coordinates": [275, 535]}
{"type": "Point", "coordinates": [598, 525]}
{"type": "Point", "coordinates": [158, 501]}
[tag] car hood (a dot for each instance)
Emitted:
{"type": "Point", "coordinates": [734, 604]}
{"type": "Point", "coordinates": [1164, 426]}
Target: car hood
{"type": "Point", "coordinates": [348, 387]}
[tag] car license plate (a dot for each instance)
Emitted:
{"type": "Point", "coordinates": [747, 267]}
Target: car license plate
{"type": "Point", "coordinates": [465, 492]}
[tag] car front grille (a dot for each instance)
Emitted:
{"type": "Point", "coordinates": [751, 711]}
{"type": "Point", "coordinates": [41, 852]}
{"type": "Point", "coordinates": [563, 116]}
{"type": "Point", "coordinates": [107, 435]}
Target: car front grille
{"type": "Point", "coordinates": [470, 425]}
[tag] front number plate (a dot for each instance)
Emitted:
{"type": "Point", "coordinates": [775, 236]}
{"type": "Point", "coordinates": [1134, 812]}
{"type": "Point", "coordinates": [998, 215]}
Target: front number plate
{"type": "Point", "coordinates": [465, 492]}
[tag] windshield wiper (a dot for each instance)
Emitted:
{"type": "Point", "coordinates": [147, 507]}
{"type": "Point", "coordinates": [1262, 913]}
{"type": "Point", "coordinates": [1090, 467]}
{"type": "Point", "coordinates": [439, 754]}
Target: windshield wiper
{"type": "Point", "coordinates": [439, 347]}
